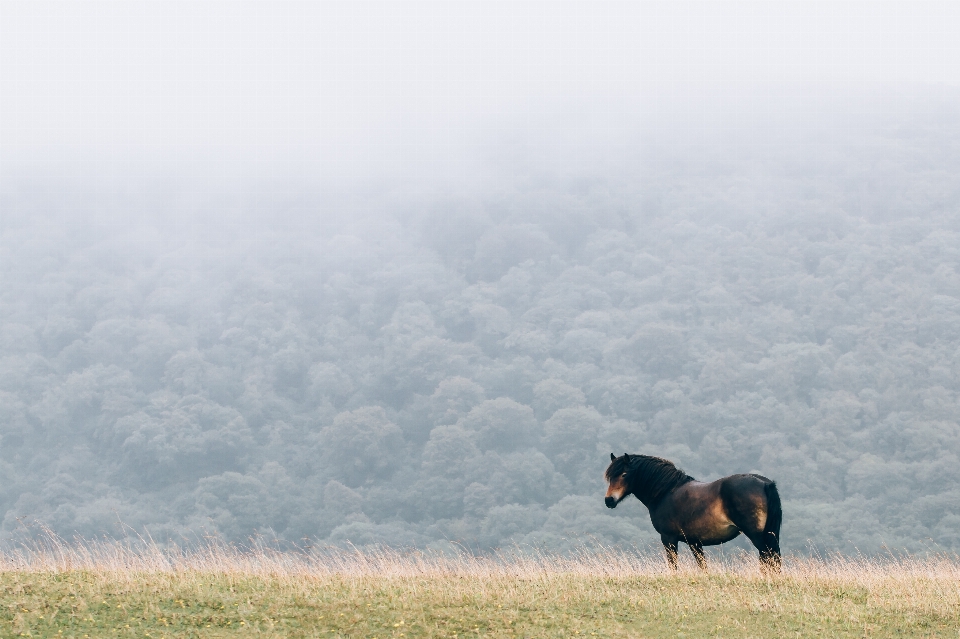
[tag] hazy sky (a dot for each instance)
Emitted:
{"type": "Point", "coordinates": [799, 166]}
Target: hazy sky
{"type": "Point", "coordinates": [362, 84]}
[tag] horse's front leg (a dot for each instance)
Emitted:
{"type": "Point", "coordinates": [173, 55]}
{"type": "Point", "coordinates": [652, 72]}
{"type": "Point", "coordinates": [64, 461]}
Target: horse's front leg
{"type": "Point", "coordinates": [697, 549]}
{"type": "Point", "coordinates": [670, 546]}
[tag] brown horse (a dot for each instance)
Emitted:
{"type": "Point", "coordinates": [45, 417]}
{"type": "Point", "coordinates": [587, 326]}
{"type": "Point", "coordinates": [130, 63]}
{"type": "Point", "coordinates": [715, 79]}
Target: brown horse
{"type": "Point", "coordinates": [698, 513]}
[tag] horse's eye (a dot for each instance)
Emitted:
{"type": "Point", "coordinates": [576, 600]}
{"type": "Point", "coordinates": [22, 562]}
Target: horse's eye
{"type": "Point", "coordinates": [623, 475]}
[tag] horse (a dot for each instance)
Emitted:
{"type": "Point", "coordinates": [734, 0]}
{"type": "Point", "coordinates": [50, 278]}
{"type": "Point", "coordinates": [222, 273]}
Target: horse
{"type": "Point", "coordinates": [700, 513]}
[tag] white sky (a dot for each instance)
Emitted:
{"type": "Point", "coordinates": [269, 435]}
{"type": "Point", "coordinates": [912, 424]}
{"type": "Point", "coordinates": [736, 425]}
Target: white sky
{"type": "Point", "coordinates": [353, 80]}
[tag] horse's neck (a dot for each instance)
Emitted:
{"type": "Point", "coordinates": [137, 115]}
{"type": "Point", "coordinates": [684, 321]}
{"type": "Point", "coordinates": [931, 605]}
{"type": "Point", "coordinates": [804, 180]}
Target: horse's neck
{"type": "Point", "coordinates": [652, 498]}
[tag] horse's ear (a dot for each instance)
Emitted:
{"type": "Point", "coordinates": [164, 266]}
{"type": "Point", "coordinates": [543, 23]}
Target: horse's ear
{"type": "Point", "coordinates": [626, 455]}
{"type": "Point", "coordinates": [613, 457]}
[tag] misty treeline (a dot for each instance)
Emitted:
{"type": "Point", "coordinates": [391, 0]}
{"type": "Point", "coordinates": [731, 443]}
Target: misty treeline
{"type": "Point", "coordinates": [456, 367]}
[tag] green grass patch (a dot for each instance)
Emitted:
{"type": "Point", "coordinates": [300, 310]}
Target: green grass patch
{"type": "Point", "coordinates": [91, 603]}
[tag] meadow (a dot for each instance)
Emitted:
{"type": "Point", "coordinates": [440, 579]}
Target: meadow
{"type": "Point", "coordinates": [119, 590]}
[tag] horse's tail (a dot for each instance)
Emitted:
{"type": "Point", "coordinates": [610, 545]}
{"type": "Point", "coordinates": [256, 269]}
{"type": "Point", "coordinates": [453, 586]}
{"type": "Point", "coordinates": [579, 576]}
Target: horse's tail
{"type": "Point", "coordinates": [774, 511]}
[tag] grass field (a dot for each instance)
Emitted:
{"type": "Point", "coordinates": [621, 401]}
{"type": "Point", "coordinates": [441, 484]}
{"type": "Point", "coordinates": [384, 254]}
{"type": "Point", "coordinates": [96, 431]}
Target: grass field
{"type": "Point", "coordinates": [109, 590]}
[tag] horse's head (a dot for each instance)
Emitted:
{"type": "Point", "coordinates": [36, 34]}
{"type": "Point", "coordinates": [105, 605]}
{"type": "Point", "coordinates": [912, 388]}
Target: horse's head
{"type": "Point", "coordinates": [617, 488]}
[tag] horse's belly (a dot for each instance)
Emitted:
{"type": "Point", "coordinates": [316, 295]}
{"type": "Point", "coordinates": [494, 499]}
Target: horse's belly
{"type": "Point", "coordinates": [711, 527]}
{"type": "Point", "coordinates": [719, 535]}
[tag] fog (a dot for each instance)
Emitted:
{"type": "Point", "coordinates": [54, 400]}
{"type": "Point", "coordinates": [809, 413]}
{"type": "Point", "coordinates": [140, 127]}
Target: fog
{"type": "Point", "coordinates": [406, 273]}
{"type": "Point", "coordinates": [376, 83]}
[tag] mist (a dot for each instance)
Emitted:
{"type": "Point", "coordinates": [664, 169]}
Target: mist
{"type": "Point", "coordinates": [406, 273]}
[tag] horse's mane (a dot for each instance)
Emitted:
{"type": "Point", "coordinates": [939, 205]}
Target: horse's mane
{"type": "Point", "coordinates": [649, 478]}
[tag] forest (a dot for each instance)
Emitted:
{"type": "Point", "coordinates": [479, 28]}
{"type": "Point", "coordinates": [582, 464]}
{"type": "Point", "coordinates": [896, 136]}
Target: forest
{"type": "Point", "coordinates": [428, 368]}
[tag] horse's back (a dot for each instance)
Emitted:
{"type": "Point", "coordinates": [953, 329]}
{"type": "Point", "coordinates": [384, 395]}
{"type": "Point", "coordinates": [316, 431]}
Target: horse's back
{"type": "Point", "coordinates": [744, 482]}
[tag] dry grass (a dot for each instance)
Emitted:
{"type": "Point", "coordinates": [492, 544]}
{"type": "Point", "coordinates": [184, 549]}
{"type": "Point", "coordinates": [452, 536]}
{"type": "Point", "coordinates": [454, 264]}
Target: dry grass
{"type": "Point", "coordinates": [96, 589]}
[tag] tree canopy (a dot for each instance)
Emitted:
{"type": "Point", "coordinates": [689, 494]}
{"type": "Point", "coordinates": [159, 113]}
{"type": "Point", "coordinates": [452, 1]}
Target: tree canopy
{"type": "Point", "coordinates": [458, 369]}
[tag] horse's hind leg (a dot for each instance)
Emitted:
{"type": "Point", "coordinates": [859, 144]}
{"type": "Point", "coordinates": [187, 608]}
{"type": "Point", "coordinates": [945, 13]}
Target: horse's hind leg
{"type": "Point", "coordinates": [770, 556]}
{"type": "Point", "coordinates": [769, 547]}
{"type": "Point", "coordinates": [670, 547]}
{"type": "Point", "coordinates": [697, 550]}
{"type": "Point", "coordinates": [747, 506]}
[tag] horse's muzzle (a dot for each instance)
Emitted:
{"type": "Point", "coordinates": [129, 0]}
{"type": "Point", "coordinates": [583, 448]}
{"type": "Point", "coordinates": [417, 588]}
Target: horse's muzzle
{"type": "Point", "coordinates": [610, 502]}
